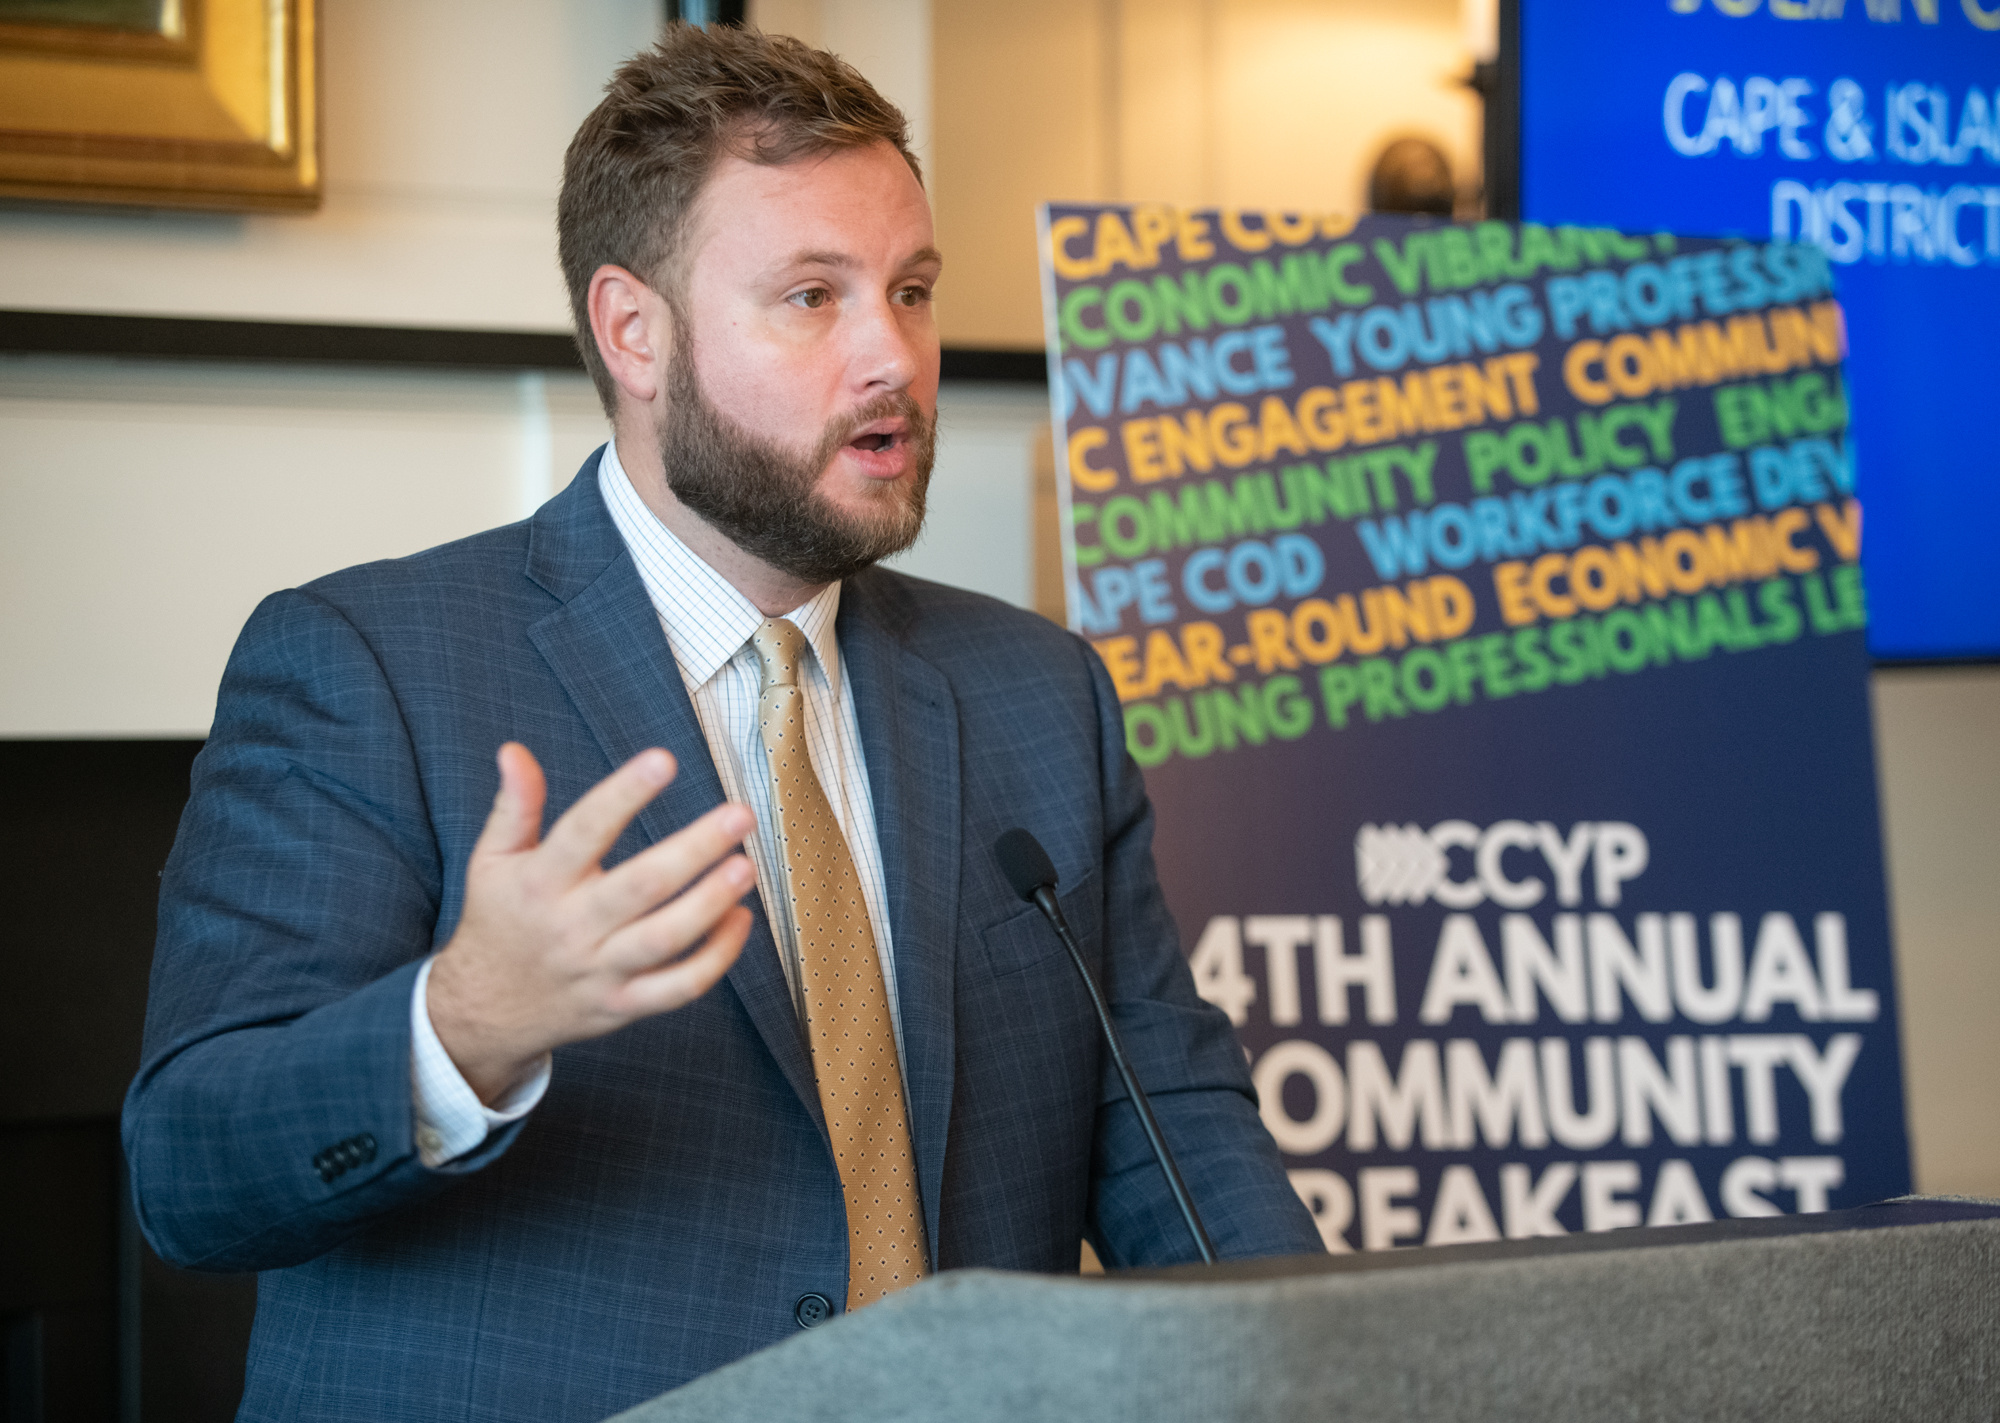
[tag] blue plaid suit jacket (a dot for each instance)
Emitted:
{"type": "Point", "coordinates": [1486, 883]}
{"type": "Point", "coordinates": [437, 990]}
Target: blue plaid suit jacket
{"type": "Point", "coordinates": [673, 1197]}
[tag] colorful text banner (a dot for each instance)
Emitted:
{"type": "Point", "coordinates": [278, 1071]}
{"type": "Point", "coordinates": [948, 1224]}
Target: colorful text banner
{"type": "Point", "coordinates": [1485, 609]}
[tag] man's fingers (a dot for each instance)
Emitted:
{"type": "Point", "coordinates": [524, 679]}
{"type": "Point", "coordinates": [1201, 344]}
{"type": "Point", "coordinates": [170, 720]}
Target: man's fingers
{"type": "Point", "coordinates": [686, 979]}
{"type": "Point", "coordinates": [673, 928]}
{"type": "Point", "coordinates": [578, 841]}
{"type": "Point", "coordinates": [656, 874]}
{"type": "Point", "coordinates": [515, 822]}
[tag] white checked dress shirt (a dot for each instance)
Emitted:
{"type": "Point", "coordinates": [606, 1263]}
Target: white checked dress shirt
{"type": "Point", "coordinates": [708, 624]}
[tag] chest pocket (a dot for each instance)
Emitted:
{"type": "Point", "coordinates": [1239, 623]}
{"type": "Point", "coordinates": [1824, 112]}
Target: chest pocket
{"type": "Point", "coordinates": [1026, 940]}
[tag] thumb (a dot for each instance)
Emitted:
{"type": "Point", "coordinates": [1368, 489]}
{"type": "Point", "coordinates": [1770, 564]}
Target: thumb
{"type": "Point", "coordinates": [516, 819]}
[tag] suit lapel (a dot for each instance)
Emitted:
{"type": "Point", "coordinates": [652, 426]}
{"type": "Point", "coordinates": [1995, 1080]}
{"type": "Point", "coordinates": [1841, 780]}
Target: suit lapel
{"type": "Point", "coordinates": [605, 646]}
{"type": "Point", "coordinates": [909, 733]}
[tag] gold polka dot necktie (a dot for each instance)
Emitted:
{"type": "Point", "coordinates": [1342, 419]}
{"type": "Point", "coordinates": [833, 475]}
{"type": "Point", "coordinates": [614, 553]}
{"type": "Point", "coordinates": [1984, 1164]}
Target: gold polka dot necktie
{"type": "Point", "coordinates": [848, 1027]}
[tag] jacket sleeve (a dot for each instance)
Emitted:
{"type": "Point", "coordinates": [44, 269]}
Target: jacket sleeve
{"type": "Point", "coordinates": [272, 1114]}
{"type": "Point", "coordinates": [1186, 1057]}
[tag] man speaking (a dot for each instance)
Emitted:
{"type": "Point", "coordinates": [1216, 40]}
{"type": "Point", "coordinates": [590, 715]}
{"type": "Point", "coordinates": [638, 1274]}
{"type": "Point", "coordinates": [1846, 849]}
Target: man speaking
{"type": "Point", "coordinates": [532, 1106]}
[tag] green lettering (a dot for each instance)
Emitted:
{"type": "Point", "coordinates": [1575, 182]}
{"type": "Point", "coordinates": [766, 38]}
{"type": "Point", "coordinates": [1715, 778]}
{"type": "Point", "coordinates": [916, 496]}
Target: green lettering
{"type": "Point", "coordinates": [1403, 266]}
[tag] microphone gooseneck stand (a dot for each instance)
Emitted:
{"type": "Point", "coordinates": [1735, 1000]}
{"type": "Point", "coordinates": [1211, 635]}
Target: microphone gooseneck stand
{"type": "Point", "coordinates": [1033, 875]}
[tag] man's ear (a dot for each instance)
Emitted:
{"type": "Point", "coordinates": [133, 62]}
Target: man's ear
{"type": "Point", "coordinates": [633, 328]}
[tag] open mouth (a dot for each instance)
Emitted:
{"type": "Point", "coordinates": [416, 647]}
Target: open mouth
{"type": "Point", "coordinates": [874, 442]}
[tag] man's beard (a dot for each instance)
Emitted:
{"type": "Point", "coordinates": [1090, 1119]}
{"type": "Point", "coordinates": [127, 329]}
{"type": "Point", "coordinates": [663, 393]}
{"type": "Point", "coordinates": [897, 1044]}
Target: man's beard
{"type": "Point", "coordinates": [766, 499]}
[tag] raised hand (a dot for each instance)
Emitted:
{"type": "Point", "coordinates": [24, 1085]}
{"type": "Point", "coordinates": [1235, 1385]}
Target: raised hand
{"type": "Point", "coordinates": [553, 948]}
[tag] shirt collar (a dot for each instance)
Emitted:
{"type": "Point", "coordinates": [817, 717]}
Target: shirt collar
{"type": "Point", "coordinates": [707, 620]}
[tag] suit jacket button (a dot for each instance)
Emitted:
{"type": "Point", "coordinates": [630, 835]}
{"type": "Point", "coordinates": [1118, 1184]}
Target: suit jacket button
{"type": "Point", "coordinates": [812, 1309]}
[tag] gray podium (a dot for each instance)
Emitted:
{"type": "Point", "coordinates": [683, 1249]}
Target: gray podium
{"type": "Point", "coordinates": [1887, 1312]}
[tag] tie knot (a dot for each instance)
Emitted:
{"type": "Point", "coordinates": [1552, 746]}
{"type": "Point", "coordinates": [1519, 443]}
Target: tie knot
{"type": "Point", "coordinates": [778, 645]}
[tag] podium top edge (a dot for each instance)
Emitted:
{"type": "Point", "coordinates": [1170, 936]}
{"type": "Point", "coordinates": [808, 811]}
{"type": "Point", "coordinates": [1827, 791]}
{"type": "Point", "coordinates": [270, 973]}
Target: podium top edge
{"type": "Point", "coordinates": [1902, 1211]}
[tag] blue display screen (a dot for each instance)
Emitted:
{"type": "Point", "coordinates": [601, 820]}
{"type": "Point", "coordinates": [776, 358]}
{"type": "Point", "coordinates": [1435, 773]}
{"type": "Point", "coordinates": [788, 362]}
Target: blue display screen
{"type": "Point", "coordinates": [1868, 127]}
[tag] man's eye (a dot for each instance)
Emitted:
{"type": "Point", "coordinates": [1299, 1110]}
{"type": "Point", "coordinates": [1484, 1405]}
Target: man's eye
{"type": "Point", "coordinates": [813, 298]}
{"type": "Point", "coordinates": [913, 295]}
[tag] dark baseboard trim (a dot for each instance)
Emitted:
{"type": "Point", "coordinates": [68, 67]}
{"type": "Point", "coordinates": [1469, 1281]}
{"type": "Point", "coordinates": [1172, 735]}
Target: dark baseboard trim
{"type": "Point", "coordinates": [191, 338]}
{"type": "Point", "coordinates": [1007, 367]}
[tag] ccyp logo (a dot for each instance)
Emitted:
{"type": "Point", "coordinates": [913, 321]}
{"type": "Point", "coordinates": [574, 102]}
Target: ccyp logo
{"type": "Point", "coordinates": [1406, 864]}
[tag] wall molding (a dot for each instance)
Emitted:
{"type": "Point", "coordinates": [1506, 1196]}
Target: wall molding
{"type": "Point", "coordinates": [192, 338]}
{"type": "Point", "coordinates": [73, 333]}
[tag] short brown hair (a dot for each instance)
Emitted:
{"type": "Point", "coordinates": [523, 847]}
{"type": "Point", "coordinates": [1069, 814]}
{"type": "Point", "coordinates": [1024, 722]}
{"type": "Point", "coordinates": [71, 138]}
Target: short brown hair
{"type": "Point", "coordinates": [635, 168]}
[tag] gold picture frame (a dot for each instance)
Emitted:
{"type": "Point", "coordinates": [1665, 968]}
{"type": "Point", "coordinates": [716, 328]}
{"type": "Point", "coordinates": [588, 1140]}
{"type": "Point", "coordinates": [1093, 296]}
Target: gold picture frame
{"type": "Point", "coordinates": [160, 103]}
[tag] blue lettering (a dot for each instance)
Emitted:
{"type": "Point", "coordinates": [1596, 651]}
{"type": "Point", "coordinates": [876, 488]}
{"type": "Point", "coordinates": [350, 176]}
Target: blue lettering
{"type": "Point", "coordinates": [1253, 573]}
{"type": "Point", "coordinates": [1115, 593]}
{"type": "Point", "coordinates": [1301, 565]}
{"type": "Point", "coordinates": [1096, 390]}
{"type": "Point", "coordinates": [1087, 616]}
{"type": "Point", "coordinates": [1273, 358]}
{"type": "Point", "coordinates": [1680, 280]}
{"type": "Point", "coordinates": [1381, 340]}
{"type": "Point", "coordinates": [1451, 538]}
{"type": "Point", "coordinates": [1725, 477]}
{"type": "Point", "coordinates": [1191, 369]}
{"type": "Point", "coordinates": [1715, 294]}
{"type": "Point", "coordinates": [1194, 581]}
{"type": "Point", "coordinates": [1424, 346]}
{"type": "Point", "coordinates": [1607, 313]}
{"type": "Point", "coordinates": [1567, 301]}
{"type": "Point", "coordinates": [1396, 545]}
{"type": "Point", "coordinates": [1514, 313]}
{"type": "Point", "coordinates": [1156, 603]}
{"type": "Point", "coordinates": [1833, 457]}
{"type": "Point", "coordinates": [1609, 507]}
{"type": "Point", "coordinates": [1231, 379]}
{"type": "Point", "coordinates": [1143, 384]}
{"type": "Point", "coordinates": [1695, 508]}
{"type": "Point", "coordinates": [1651, 508]}
{"type": "Point", "coordinates": [1569, 510]}
{"type": "Point", "coordinates": [1494, 528]}
{"type": "Point", "coordinates": [1771, 477]}
{"type": "Point", "coordinates": [1647, 294]}
{"type": "Point", "coordinates": [1338, 338]}
{"type": "Point", "coordinates": [1531, 517]}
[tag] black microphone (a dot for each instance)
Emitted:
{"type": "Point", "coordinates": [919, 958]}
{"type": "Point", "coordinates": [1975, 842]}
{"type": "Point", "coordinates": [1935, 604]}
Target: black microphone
{"type": "Point", "coordinates": [1033, 875]}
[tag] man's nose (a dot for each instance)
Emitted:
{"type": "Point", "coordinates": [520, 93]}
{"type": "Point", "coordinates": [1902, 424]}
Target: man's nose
{"type": "Point", "coordinates": [883, 352]}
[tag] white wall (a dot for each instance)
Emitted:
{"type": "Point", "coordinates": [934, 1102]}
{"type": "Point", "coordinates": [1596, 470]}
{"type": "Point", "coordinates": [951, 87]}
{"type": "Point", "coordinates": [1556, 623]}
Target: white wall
{"type": "Point", "coordinates": [1239, 103]}
{"type": "Point", "coordinates": [978, 531]}
{"type": "Point", "coordinates": [1937, 743]}
{"type": "Point", "coordinates": [445, 124]}
{"type": "Point", "coordinates": [146, 506]}
{"type": "Point", "coordinates": [887, 40]}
